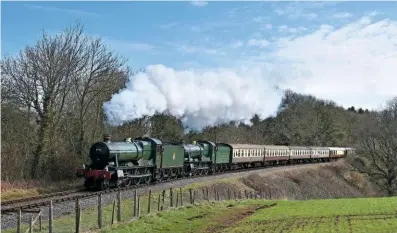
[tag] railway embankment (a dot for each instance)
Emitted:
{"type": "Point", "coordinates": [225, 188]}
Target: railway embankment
{"type": "Point", "coordinates": [319, 181]}
{"type": "Point", "coordinates": [309, 181]}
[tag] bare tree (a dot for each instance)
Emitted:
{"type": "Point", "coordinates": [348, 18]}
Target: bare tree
{"type": "Point", "coordinates": [40, 78]}
{"type": "Point", "coordinates": [378, 145]}
{"type": "Point", "coordinates": [101, 74]}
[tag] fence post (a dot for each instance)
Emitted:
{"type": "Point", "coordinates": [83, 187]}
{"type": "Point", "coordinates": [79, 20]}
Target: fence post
{"type": "Point", "coordinates": [114, 206]}
{"type": "Point", "coordinates": [228, 194]}
{"type": "Point", "coordinates": [50, 218]}
{"type": "Point", "coordinates": [171, 198]}
{"type": "Point", "coordinates": [191, 196]}
{"type": "Point", "coordinates": [100, 211]}
{"type": "Point", "coordinates": [177, 199]}
{"type": "Point", "coordinates": [158, 203]}
{"type": "Point", "coordinates": [119, 206]}
{"type": "Point", "coordinates": [162, 200]}
{"type": "Point", "coordinates": [180, 190]}
{"type": "Point", "coordinates": [214, 194]}
{"type": "Point", "coordinates": [31, 224]}
{"type": "Point", "coordinates": [217, 195]}
{"type": "Point", "coordinates": [19, 220]}
{"type": "Point", "coordinates": [208, 197]}
{"type": "Point", "coordinates": [138, 213]}
{"type": "Point", "coordinates": [246, 195]}
{"type": "Point", "coordinates": [149, 201]}
{"type": "Point", "coordinates": [135, 203]}
{"type": "Point", "coordinates": [77, 216]}
{"type": "Point", "coordinates": [40, 222]}
{"type": "Point", "coordinates": [194, 195]}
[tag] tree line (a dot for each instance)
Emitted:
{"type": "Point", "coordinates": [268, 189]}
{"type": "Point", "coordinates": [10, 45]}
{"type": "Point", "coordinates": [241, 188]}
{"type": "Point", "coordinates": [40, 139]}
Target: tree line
{"type": "Point", "coordinates": [52, 95]}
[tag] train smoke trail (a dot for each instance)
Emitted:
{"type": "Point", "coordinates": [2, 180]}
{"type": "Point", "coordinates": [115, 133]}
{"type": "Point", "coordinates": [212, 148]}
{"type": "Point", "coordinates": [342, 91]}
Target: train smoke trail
{"type": "Point", "coordinates": [201, 98]}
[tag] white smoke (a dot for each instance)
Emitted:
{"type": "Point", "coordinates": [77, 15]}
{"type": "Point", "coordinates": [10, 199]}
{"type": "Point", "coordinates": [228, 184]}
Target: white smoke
{"type": "Point", "coordinates": [202, 99]}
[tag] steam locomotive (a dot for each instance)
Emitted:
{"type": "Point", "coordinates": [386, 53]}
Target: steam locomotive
{"type": "Point", "coordinates": [145, 159]}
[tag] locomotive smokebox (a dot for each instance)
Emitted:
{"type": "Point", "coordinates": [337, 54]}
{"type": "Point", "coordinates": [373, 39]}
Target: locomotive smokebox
{"type": "Point", "coordinates": [107, 137]}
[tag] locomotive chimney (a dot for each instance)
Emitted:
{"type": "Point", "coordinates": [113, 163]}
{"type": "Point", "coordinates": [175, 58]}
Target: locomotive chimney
{"type": "Point", "coordinates": [106, 137]}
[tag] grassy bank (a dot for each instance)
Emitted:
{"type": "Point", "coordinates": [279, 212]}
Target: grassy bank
{"type": "Point", "coordinates": [377, 215]}
{"type": "Point", "coordinates": [23, 189]}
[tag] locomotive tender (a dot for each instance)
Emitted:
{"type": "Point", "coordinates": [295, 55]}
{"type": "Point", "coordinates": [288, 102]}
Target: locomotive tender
{"type": "Point", "coordinates": [144, 159]}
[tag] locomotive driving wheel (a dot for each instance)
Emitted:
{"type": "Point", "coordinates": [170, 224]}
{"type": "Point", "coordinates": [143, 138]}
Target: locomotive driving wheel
{"type": "Point", "coordinates": [147, 179]}
{"type": "Point", "coordinates": [128, 182]}
{"type": "Point", "coordinates": [104, 184]}
{"type": "Point", "coordinates": [137, 180]}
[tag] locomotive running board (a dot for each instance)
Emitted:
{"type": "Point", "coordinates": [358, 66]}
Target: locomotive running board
{"type": "Point", "coordinates": [137, 176]}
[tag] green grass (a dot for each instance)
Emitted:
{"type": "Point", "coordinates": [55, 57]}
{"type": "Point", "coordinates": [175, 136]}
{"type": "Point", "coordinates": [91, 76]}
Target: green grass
{"type": "Point", "coordinates": [89, 216]}
{"type": "Point", "coordinates": [361, 215]}
{"type": "Point", "coordinates": [376, 215]}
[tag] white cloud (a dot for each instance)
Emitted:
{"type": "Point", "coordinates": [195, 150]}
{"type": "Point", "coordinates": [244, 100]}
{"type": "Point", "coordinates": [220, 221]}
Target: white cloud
{"type": "Point", "coordinates": [342, 15]}
{"type": "Point", "coordinates": [237, 44]}
{"type": "Point", "coordinates": [169, 25]}
{"type": "Point", "coordinates": [267, 26]}
{"type": "Point", "coordinates": [295, 10]}
{"type": "Point", "coordinates": [139, 46]}
{"type": "Point", "coordinates": [259, 43]}
{"type": "Point", "coordinates": [129, 45]}
{"type": "Point", "coordinates": [285, 28]}
{"type": "Point", "coordinates": [199, 3]}
{"type": "Point", "coordinates": [198, 49]}
{"type": "Point", "coordinates": [352, 65]}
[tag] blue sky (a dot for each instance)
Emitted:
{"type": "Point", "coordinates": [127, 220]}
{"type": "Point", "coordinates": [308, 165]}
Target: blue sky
{"type": "Point", "coordinates": [299, 45]}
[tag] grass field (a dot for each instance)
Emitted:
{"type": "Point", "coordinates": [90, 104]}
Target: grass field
{"type": "Point", "coordinates": [361, 215]}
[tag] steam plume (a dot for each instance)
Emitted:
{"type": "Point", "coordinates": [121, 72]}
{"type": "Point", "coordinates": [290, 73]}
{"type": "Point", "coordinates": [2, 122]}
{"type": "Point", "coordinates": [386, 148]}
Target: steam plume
{"type": "Point", "coordinates": [200, 98]}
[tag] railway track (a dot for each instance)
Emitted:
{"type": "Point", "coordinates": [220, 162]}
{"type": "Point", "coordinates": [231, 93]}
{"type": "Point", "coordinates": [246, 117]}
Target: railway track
{"type": "Point", "coordinates": [59, 197]}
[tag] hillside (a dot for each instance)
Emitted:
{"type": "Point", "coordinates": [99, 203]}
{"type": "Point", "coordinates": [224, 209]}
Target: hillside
{"type": "Point", "coordinates": [334, 180]}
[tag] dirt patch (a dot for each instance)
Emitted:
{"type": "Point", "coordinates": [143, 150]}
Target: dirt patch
{"type": "Point", "coordinates": [197, 217]}
{"type": "Point", "coordinates": [235, 215]}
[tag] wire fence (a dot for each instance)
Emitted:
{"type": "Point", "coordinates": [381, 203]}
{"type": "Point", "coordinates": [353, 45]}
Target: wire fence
{"type": "Point", "coordinates": [130, 209]}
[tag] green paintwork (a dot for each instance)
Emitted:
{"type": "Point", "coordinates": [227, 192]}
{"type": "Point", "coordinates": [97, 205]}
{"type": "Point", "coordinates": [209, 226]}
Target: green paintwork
{"type": "Point", "coordinates": [193, 151]}
{"type": "Point", "coordinates": [129, 152]}
{"type": "Point", "coordinates": [223, 154]}
{"type": "Point", "coordinates": [208, 151]}
{"type": "Point", "coordinates": [173, 156]}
